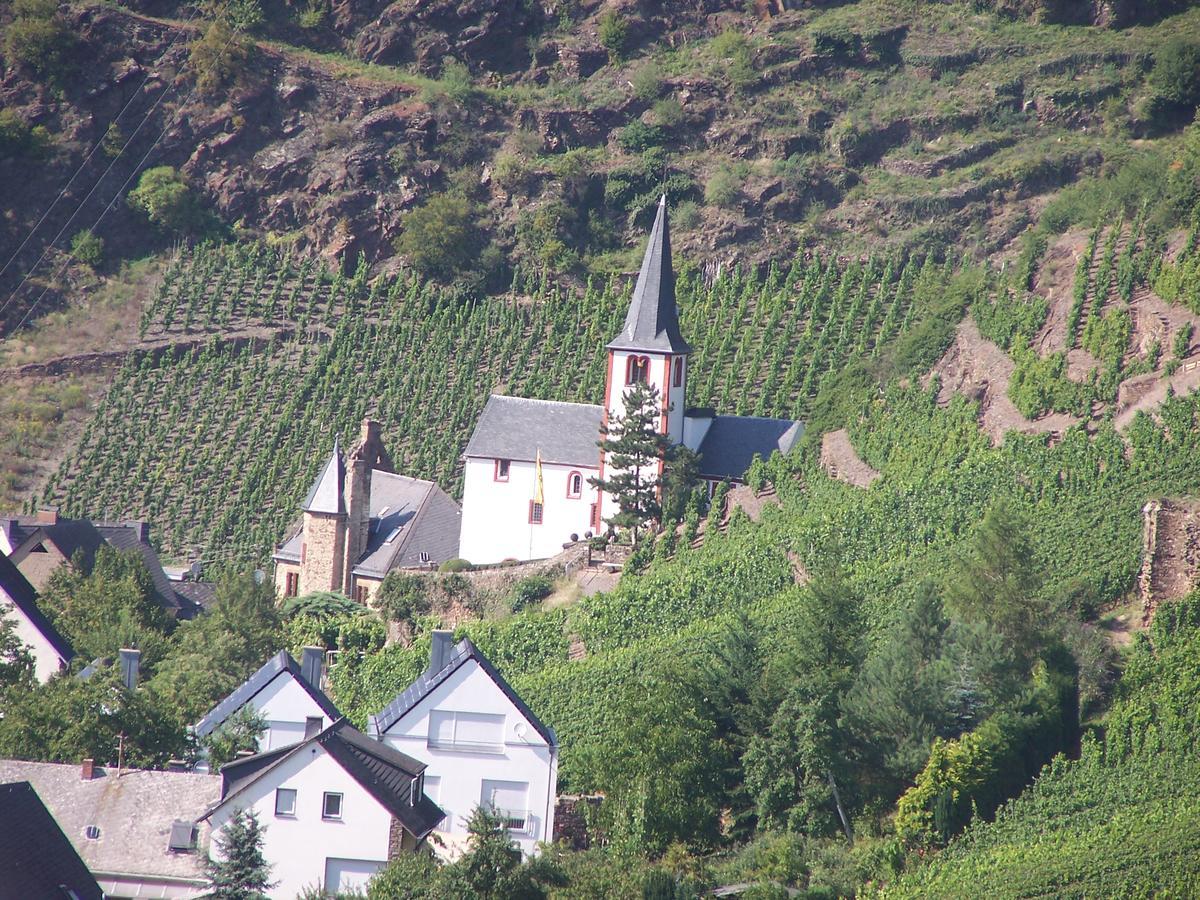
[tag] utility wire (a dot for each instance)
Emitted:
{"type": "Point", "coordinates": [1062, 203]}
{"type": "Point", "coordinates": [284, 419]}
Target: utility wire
{"type": "Point", "coordinates": [71, 256]}
{"type": "Point", "coordinates": [134, 96]}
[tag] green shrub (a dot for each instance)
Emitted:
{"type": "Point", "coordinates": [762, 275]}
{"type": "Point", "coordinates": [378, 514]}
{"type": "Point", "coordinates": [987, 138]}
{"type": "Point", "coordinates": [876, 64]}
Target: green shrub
{"type": "Point", "coordinates": [455, 565]}
{"type": "Point", "coordinates": [614, 34]}
{"type": "Point", "coordinates": [637, 136]}
{"type": "Point", "coordinates": [88, 248]}
{"type": "Point", "coordinates": [313, 16]}
{"type": "Point", "coordinates": [39, 39]}
{"type": "Point", "coordinates": [403, 596]}
{"type": "Point", "coordinates": [1176, 73]}
{"type": "Point", "coordinates": [530, 590]}
{"type": "Point", "coordinates": [647, 82]}
{"type": "Point", "coordinates": [219, 58]}
{"type": "Point", "coordinates": [439, 239]}
{"type": "Point", "coordinates": [722, 188]}
{"type": "Point", "coordinates": [668, 113]}
{"type": "Point", "coordinates": [17, 138]}
{"type": "Point", "coordinates": [168, 202]}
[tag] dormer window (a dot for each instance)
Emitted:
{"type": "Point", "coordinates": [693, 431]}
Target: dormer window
{"type": "Point", "coordinates": [574, 486]}
{"type": "Point", "coordinates": [501, 473]}
{"type": "Point", "coordinates": [637, 369]}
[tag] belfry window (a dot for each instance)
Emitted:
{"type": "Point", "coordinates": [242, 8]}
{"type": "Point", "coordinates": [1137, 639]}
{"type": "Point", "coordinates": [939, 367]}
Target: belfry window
{"type": "Point", "coordinates": [637, 369]}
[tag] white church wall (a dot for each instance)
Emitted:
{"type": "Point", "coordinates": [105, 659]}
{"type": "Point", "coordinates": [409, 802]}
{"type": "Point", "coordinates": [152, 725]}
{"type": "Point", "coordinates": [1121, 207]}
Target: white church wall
{"type": "Point", "coordinates": [495, 521]}
{"type": "Point", "coordinates": [518, 769]}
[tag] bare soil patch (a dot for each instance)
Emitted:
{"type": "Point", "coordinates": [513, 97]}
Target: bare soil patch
{"type": "Point", "coordinates": [1147, 392]}
{"type": "Point", "coordinates": [977, 368]}
{"type": "Point", "coordinates": [841, 460]}
{"type": "Point", "coordinates": [1054, 281]}
{"type": "Point", "coordinates": [1174, 553]}
{"type": "Point", "coordinates": [1156, 320]}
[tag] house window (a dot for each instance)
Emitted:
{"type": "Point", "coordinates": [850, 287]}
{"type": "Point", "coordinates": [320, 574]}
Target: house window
{"type": "Point", "coordinates": [678, 379]}
{"type": "Point", "coordinates": [535, 513]}
{"type": "Point", "coordinates": [501, 470]}
{"type": "Point", "coordinates": [291, 584]}
{"type": "Point", "coordinates": [574, 486]}
{"type": "Point", "coordinates": [509, 800]}
{"type": "Point", "coordinates": [331, 806]}
{"type": "Point", "coordinates": [312, 726]}
{"type": "Point", "coordinates": [285, 802]}
{"type": "Point", "coordinates": [637, 369]}
{"type": "Point", "coordinates": [360, 593]}
{"type": "Point", "coordinates": [466, 731]}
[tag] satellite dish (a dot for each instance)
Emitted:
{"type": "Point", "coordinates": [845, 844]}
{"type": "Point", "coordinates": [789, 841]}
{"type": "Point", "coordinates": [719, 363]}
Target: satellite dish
{"type": "Point", "coordinates": [520, 728]}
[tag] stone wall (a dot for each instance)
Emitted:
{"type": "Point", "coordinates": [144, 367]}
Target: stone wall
{"type": "Point", "coordinates": [571, 814]}
{"type": "Point", "coordinates": [324, 553]}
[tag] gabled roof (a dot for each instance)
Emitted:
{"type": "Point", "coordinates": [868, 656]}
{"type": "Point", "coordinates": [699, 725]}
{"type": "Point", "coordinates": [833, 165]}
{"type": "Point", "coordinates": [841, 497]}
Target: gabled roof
{"type": "Point", "coordinates": [327, 494]}
{"type": "Point", "coordinates": [383, 772]}
{"type": "Point", "coordinates": [134, 814]}
{"type": "Point", "coordinates": [85, 537]}
{"type": "Point", "coordinates": [279, 663]}
{"type": "Point", "coordinates": [464, 651]}
{"type": "Point", "coordinates": [24, 598]}
{"type": "Point", "coordinates": [36, 858]}
{"type": "Point", "coordinates": [652, 322]}
{"type": "Point", "coordinates": [517, 427]}
{"type": "Point", "coordinates": [731, 442]}
{"type": "Point", "coordinates": [408, 517]}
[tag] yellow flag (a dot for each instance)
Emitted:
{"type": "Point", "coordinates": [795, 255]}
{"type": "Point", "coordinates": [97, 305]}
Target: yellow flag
{"type": "Point", "coordinates": [538, 494]}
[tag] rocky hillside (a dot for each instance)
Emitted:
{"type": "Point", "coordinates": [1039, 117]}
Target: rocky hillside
{"type": "Point", "coordinates": [854, 127]}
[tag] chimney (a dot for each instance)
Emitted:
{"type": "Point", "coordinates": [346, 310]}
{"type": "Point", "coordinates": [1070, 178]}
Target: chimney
{"type": "Point", "coordinates": [47, 515]}
{"type": "Point", "coordinates": [88, 772]}
{"type": "Point", "coordinates": [439, 652]}
{"type": "Point", "coordinates": [142, 530]}
{"type": "Point", "coordinates": [131, 661]}
{"type": "Point", "coordinates": [370, 432]}
{"type": "Point", "coordinates": [177, 765]}
{"type": "Point", "coordinates": [312, 662]}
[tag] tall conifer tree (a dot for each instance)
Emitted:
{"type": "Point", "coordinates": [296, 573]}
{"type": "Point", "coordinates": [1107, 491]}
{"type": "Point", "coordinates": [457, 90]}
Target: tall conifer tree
{"type": "Point", "coordinates": [633, 447]}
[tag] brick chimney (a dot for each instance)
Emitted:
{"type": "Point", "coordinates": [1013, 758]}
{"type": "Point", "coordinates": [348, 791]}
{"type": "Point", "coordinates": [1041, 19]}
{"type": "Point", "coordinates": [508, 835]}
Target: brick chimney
{"type": "Point", "coordinates": [88, 772]}
{"type": "Point", "coordinates": [47, 515]}
{"type": "Point", "coordinates": [362, 460]}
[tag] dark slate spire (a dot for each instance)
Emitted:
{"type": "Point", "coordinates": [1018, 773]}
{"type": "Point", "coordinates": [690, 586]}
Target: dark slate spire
{"type": "Point", "coordinates": [327, 493]}
{"type": "Point", "coordinates": [652, 322]}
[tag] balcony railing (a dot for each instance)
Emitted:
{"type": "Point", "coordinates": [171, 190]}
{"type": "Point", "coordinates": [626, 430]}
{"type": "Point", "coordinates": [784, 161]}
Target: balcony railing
{"type": "Point", "coordinates": [456, 746]}
{"type": "Point", "coordinates": [514, 819]}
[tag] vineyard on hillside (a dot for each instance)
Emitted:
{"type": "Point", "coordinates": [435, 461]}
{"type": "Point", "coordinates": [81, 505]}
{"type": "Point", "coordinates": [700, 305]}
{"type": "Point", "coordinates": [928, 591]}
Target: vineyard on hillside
{"type": "Point", "coordinates": [215, 439]}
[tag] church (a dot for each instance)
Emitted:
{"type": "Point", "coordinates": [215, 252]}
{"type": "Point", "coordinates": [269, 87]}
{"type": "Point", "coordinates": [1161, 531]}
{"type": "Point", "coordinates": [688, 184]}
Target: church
{"type": "Point", "coordinates": [526, 487]}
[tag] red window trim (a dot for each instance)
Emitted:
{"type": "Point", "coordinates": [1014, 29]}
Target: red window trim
{"type": "Point", "coordinates": [496, 476]}
{"type": "Point", "coordinates": [541, 513]}
{"type": "Point", "coordinates": [291, 584]}
{"type": "Point", "coordinates": [642, 362]}
{"type": "Point", "coordinates": [677, 380]}
{"type": "Point", "coordinates": [571, 476]}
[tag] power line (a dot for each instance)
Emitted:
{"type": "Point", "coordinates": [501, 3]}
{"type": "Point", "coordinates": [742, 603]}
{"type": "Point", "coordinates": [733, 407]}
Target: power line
{"type": "Point", "coordinates": [71, 256]}
{"type": "Point", "coordinates": [134, 96]}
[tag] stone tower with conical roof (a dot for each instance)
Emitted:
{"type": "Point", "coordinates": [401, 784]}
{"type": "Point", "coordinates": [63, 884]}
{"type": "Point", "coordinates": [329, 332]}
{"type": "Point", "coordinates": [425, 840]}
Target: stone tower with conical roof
{"type": "Point", "coordinates": [323, 551]}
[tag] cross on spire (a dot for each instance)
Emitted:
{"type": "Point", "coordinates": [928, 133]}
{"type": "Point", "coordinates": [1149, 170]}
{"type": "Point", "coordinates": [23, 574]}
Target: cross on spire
{"type": "Point", "coordinates": [652, 322]}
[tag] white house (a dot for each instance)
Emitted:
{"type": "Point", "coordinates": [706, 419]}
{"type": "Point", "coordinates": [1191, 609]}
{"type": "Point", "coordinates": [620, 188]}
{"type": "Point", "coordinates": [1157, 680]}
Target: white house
{"type": "Point", "coordinates": [18, 602]}
{"type": "Point", "coordinates": [503, 517]}
{"type": "Point", "coordinates": [505, 514]}
{"type": "Point", "coordinates": [337, 807]}
{"type": "Point", "coordinates": [139, 832]}
{"type": "Point", "coordinates": [286, 695]}
{"type": "Point", "coordinates": [482, 744]}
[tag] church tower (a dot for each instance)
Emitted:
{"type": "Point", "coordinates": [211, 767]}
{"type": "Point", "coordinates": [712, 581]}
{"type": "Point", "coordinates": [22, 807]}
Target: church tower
{"type": "Point", "coordinates": [650, 347]}
{"type": "Point", "coordinates": [323, 547]}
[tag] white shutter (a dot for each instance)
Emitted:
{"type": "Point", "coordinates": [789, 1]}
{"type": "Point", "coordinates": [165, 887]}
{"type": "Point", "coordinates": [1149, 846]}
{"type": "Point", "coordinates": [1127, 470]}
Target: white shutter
{"type": "Point", "coordinates": [441, 728]}
{"type": "Point", "coordinates": [480, 729]}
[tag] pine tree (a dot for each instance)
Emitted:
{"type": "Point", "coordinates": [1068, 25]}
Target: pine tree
{"type": "Point", "coordinates": [633, 446]}
{"type": "Point", "coordinates": [241, 872]}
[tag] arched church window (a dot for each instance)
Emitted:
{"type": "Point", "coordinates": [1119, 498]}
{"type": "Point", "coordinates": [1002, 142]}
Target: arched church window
{"type": "Point", "coordinates": [574, 486]}
{"type": "Point", "coordinates": [637, 369]}
{"type": "Point", "coordinates": [678, 379]}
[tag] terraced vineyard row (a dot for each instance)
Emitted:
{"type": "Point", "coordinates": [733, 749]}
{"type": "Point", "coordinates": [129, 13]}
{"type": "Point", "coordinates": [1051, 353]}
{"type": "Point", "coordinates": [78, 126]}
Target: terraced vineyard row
{"type": "Point", "coordinates": [216, 446]}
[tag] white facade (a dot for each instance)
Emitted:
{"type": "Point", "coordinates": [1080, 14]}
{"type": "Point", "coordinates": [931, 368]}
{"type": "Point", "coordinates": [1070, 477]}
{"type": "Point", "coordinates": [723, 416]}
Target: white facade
{"type": "Point", "coordinates": [480, 750]}
{"type": "Point", "coordinates": [46, 660]}
{"type": "Point", "coordinates": [497, 509]}
{"type": "Point", "coordinates": [306, 848]}
{"type": "Point", "coordinates": [287, 708]}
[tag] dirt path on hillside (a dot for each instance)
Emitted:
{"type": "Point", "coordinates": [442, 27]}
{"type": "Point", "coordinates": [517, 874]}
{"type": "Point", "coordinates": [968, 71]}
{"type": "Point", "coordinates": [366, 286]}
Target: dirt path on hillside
{"type": "Point", "coordinates": [977, 368]}
{"type": "Point", "coordinates": [841, 460]}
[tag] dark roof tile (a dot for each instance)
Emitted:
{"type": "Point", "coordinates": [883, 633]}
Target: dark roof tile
{"type": "Point", "coordinates": [36, 858]}
{"type": "Point", "coordinates": [517, 427]}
